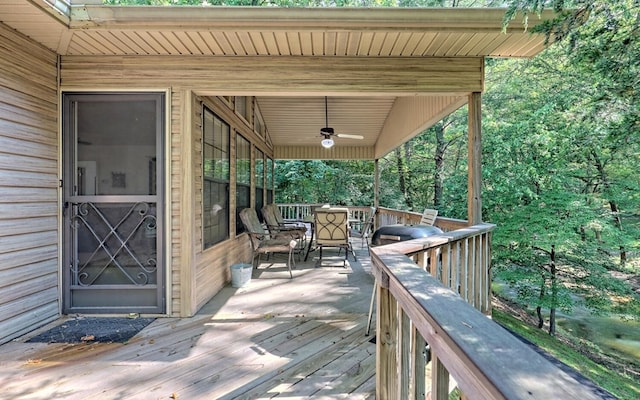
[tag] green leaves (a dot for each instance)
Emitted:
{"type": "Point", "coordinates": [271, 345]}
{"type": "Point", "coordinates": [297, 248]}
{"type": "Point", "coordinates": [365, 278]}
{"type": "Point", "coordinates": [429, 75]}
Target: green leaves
{"type": "Point", "coordinates": [316, 181]}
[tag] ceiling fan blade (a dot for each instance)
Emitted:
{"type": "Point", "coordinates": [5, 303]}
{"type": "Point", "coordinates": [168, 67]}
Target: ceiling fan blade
{"type": "Point", "coordinates": [347, 136]}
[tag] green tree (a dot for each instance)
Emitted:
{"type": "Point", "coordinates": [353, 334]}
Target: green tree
{"type": "Point", "coordinates": [542, 185]}
{"type": "Point", "coordinates": [317, 181]}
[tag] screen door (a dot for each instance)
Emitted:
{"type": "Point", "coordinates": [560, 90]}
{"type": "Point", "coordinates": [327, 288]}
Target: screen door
{"type": "Point", "coordinates": [112, 204]}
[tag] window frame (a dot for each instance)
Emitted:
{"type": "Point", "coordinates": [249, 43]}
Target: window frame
{"type": "Point", "coordinates": [215, 176]}
{"type": "Point", "coordinates": [259, 179]}
{"type": "Point", "coordinates": [270, 180]}
{"type": "Point", "coordinates": [243, 178]}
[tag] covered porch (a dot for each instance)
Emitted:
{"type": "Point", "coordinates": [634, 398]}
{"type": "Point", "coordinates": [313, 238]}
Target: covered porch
{"type": "Point", "coordinates": [254, 343]}
{"type": "Point", "coordinates": [392, 72]}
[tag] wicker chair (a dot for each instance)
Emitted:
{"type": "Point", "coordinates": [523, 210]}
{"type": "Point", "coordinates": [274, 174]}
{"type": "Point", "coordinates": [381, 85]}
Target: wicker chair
{"type": "Point", "coordinates": [262, 243]}
{"type": "Point", "coordinates": [277, 226]}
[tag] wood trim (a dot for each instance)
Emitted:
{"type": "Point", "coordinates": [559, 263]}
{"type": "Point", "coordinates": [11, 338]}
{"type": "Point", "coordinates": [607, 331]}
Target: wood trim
{"type": "Point", "coordinates": [409, 116]}
{"type": "Point", "coordinates": [373, 19]}
{"type": "Point", "coordinates": [187, 207]}
{"type": "Point", "coordinates": [280, 76]}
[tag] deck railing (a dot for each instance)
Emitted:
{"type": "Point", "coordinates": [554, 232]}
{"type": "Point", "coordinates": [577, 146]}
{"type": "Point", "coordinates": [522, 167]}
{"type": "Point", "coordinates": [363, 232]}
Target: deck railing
{"type": "Point", "coordinates": [298, 212]}
{"type": "Point", "coordinates": [433, 330]}
{"type": "Point", "coordinates": [433, 333]}
{"type": "Point", "coordinates": [384, 216]}
{"type": "Point", "coordinates": [388, 216]}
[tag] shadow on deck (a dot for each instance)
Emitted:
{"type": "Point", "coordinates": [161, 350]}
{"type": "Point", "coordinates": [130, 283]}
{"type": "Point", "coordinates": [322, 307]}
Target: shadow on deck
{"type": "Point", "coordinates": [275, 338]}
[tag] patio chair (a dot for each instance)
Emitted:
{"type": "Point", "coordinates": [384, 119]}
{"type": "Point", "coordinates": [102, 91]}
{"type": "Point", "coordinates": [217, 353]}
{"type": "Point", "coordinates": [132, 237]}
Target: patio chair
{"type": "Point", "coordinates": [331, 230]}
{"type": "Point", "coordinates": [428, 216]}
{"type": "Point", "coordinates": [277, 226]}
{"type": "Point", "coordinates": [262, 243]}
{"type": "Point", "coordinates": [365, 229]}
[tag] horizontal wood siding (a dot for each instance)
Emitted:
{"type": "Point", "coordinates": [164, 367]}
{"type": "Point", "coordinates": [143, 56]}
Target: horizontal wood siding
{"type": "Point", "coordinates": [212, 264]}
{"type": "Point", "coordinates": [279, 75]}
{"type": "Point", "coordinates": [29, 275]}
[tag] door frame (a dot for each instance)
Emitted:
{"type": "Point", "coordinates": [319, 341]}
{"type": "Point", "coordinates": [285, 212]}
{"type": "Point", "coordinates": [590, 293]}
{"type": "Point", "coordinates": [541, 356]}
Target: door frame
{"type": "Point", "coordinates": [163, 206]}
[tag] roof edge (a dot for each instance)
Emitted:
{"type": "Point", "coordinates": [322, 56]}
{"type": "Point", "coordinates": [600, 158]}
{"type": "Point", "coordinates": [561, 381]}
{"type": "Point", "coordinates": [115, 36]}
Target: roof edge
{"type": "Point", "coordinates": [215, 17]}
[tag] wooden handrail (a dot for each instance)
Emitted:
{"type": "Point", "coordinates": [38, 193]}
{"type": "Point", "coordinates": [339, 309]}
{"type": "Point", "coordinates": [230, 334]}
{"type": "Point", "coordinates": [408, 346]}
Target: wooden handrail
{"type": "Point", "coordinates": [420, 321]}
{"type": "Point", "coordinates": [389, 216]}
{"type": "Point", "coordinates": [298, 211]}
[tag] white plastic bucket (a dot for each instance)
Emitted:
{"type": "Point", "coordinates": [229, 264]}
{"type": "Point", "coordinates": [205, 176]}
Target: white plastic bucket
{"type": "Point", "coordinates": [241, 275]}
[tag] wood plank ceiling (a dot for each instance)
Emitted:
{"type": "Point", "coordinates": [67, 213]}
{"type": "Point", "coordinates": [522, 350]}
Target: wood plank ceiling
{"type": "Point", "coordinates": [96, 30]}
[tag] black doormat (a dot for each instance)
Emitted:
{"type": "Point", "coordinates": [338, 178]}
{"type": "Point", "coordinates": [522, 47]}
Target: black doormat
{"type": "Point", "coordinates": [93, 329]}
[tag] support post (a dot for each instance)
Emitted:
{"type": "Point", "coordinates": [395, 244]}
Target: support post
{"type": "Point", "coordinates": [187, 205]}
{"type": "Point", "coordinates": [376, 191]}
{"type": "Point", "coordinates": [474, 184]}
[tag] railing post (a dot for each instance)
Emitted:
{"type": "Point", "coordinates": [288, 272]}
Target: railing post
{"type": "Point", "coordinates": [386, 342]}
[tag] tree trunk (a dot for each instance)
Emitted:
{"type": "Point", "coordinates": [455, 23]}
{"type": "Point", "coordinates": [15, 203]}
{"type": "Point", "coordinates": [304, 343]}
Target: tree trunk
{"type": "Point", "coordinates": [554, 293]}
{"type": "Point", "coordinates": [539, 308]}
{"type": "Point", "coordinates": [540, 319]}
{"type": "Point", "coordinates": [615, 212]}
{"type": "Point", "coordinates": [402, 178]}
{"type": "Point", "coordinates": [408, 180]}
{"type": "Point", "coordinates": [439, 165]}
{"type": "Point", "coordinates": [616, 218]}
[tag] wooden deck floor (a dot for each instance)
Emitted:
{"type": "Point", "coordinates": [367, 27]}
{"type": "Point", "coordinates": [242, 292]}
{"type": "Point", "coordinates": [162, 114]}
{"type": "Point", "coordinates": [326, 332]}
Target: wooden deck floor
{"type": "Point", "coordinates": [275, 338]}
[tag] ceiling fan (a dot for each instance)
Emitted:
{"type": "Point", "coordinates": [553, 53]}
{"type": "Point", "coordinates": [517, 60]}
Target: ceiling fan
{"type": "Point", "coordinates": [327, 132]}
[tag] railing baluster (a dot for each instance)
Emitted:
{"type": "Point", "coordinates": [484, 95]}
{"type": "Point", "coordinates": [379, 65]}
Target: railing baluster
{"type": "Point", "coordinates": [479, 275]}
{"type": "Point", "coordinates": [433, 262]}
{"type": "Point", "coordinates": [439, 380]}
{"type": "Point", "coordinates": [464, 264]}
{"type": "Point", "coordinates": [405, 357]}
{"type": "Point", "coordinates": [469, 271]}
{"type": "Point", "coordinates": [386, 342]}
{"type": "Point", "coordinates": [419, 363]}
{"type": "Point", "coordinates": [422, 260]}
{"type": "Point", "coordinates": [455, 267]}
{"type": "Point", "coordinates": [446, 267]}
{"type": "Point", "coordinates": [487, 285]}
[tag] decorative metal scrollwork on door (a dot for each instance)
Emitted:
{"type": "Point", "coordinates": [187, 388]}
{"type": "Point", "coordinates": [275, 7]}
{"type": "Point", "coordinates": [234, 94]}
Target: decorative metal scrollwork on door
{"type": "Point", "coordinates": [115, 244]}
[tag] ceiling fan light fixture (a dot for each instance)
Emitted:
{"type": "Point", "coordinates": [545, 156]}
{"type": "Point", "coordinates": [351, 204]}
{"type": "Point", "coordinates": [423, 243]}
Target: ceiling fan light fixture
{"type": "Point", "coordinates": [327, 143]}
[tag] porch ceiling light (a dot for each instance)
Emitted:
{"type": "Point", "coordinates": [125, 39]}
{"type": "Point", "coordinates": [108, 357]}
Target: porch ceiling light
{"type": "Point", "coordinates": [327, 143]}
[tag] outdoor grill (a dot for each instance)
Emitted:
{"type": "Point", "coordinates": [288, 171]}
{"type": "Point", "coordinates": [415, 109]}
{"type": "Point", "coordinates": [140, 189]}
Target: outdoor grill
{"type": "Point", "coordinates": [398, 233]}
